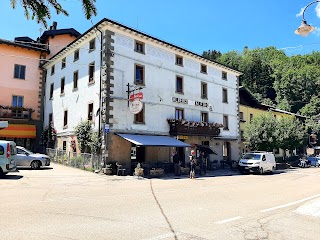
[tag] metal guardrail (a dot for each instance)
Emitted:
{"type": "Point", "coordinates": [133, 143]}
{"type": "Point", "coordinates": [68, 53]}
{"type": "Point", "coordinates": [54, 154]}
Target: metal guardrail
{"type": "Point", "coordinates": [85, 161]}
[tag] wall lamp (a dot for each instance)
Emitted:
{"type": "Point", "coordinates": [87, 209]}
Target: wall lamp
{"type": "Point", "coordinates": [305, 28]}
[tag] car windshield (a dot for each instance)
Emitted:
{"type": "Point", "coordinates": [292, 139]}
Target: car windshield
{"type": "Point", "coordinates": [252, 156]}
{"type": "Point", "coordinates": [27, 151]}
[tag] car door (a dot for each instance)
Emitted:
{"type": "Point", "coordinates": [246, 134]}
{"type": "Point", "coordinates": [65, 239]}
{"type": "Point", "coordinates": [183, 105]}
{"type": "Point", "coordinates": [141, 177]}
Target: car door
{"type": "Point", "coordinates": [22, 158]}
{"type": "Point", "coordinates": [264, 163]}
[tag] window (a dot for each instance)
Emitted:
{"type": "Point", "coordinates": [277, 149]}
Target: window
{"type": "Point", "coordinates": [139, 118]}
{"type": "Point", "coordinates": [91, 72]}
{"type": "Point", "coordinates": [75, 80]}
{"type": "Point", "coordinates": [139, 74]}
{"type": "Point", "coordinates": [179, 113]}
{"type": "Point", "coordinates": [76, 55]}
{"type": "Point", "coordinates": [64, 145]}
{"type": "Point", "coordinates": [92, 45]}
{"type": "Point", "coordinates": [65, 119]}
{"type": "Point", "coordinates": [50, 118]}
{"type": "Point", "coordinates": [203, 68]}
{"type": "Point", "coordinates": [225, 122]}
{"type": "Point", "coordinates": [224, 75]}
{"type": "Point", "coordinates": [241, 134]}
{"type": "Point", "coordinates": [52, 69]}
{"type": "Point", "coordinates": [179, 84]}
{"type": "Point", "coordinates": [179, 60]}
{"type": "Point", "coordinates": [62, 86]}
{"type": "Point", "coordinates": [224, 95]}
{"type": "Point", "coordinates": [51, 90]}
{"type": "Point", "coordinates": [275, 116]}
{"type": "Point", "coordinates": [204, 117]}
{"type": "Point", "coordinates": [251, 117]}
{"type": "Point", "coordinates": [90, 111]}
{"type": "Point", "coordinates": [19, 71]}
{"type": "Point", "coordinates": [204, 90]}
{"type": "Point", "coordinates": [1, 150]}
{"type": "Point", "coordinates": [241, 115]}
{"type": "Point", "coordinates": [139, 47]}
{"type": "Point", "coordinates": [63, 63]}
{"type": "Point", "coordinates": [17, 101]}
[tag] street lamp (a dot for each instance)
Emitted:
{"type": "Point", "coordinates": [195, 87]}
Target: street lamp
{"type": "Point", "coordinates": [305, 28]}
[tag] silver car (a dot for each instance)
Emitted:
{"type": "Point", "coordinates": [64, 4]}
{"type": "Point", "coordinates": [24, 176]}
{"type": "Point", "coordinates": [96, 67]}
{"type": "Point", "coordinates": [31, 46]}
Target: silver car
{"type": "Point", "coordinates": [26, 158]}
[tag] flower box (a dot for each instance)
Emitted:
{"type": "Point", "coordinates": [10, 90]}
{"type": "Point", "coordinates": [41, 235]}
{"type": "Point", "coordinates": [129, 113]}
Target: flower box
{"type": "Point", "coordinates": [156, 172]}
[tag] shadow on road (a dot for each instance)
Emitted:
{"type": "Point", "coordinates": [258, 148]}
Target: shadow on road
{"type": "Point", "coordinates": [163, 213]}
{"type": "Point", "coordinates": [40, 169]}
{"type": "Point", "coordinates": [11, 177]}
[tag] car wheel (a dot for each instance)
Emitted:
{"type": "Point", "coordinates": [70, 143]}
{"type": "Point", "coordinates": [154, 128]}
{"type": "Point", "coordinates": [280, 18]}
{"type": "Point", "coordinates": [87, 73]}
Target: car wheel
{"type": "Point", "coordinates": [1, 173]}
{"type": "Point", "coordinates": [261, 171]}
{"type": "Point", "coordinates": [35, 165]}
{"type": "Point", "coordinates": [241, 171]}
{"type": "Point", "coordinates": [273, 168]}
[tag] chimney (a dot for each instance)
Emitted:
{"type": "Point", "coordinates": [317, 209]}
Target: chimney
{"type": "Point", "coordinates": [54, 25]}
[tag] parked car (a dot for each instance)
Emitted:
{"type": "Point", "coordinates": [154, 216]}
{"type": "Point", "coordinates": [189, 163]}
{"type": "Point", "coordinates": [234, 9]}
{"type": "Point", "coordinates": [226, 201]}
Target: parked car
{"type": "Point", "coordinates": [26, 158]}
{"type": "Point", "coordinates": [314, 161]}
{"type": "Point", "coordinates": [257, 162]}
{"type": "Point", "coordinates": [8, 153]}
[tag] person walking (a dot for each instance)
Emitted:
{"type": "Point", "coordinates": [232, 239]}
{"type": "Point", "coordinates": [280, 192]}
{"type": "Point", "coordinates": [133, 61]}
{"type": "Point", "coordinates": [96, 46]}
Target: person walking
{"type": "Point", "coordinates": [192, 167]}
{"type": "Point", "coordinates": [176, 161]}
{"type": "Point", "coordinates": [202, 160]}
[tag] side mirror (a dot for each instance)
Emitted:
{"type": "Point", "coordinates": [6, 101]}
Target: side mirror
{"type": "Point", "coordinates": [264, 159]}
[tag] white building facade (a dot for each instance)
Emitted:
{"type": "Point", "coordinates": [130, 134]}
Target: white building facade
{"type": "Point", "coordinates": [93, 77]}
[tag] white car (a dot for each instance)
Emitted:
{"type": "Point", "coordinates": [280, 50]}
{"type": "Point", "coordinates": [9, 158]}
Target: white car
{"type": "Point", "coordinates": [257, 162]}
{"type": "Point", "coordinates": [26, 158]}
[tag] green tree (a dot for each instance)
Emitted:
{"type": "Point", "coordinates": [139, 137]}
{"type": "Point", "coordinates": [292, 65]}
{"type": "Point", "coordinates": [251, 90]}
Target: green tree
{"type": "Point", "coordinates": [87, 139]}
{"type": "Point", "coordinates": [40, 9]}
{"type": "Point", "coordinates": [312, 108]}
{"type": "Point", "coordinates": [290, 133]}
{"type": "Point", "coordinates": [260, 134]}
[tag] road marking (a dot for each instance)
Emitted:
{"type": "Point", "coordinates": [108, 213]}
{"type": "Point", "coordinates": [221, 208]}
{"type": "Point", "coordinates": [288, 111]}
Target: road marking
{"type": "Point", "coordinates": [311, 209]}
{"type": "Point", "coordinates": [290, 204]}
{"type": "Point", "coordinates": [228, 220]}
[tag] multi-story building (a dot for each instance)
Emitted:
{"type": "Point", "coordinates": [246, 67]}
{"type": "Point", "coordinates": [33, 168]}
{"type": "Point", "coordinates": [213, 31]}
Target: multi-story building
{"type": "Point", "coordinates": [251, 107]}
{"type": "Point", "coordinates": [182, 95]}
{"type": "Point", "coordinates": [21, 98]}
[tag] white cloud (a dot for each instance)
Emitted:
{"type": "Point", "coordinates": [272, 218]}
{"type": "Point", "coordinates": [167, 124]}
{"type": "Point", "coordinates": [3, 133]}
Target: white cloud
{"type": "Point", "coordinates": [300, 13]}
{"type": "Point", "coordinates": [318, 10]}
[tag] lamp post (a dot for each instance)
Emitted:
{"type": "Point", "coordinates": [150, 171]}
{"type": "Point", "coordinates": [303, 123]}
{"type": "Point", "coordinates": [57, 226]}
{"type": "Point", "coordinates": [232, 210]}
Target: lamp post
{"type": "Point", "coordinates": [305, 28]}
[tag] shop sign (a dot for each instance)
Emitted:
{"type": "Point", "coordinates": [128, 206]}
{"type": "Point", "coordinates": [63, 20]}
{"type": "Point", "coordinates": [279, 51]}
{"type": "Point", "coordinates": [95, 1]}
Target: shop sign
{"type": "Point", "coordinates": [190, 102]}
{"type": "Point", "coordinates": [182, 137]}
{"type": "Point", "coordinates": [134, 96]}
{"type": "Point", "coordinates": [135, 106]}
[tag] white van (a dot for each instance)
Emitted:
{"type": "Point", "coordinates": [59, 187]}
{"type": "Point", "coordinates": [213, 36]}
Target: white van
{"type": "Point", "coordinates": [257, 162]}
{"type": "Point", "coordinates": [8, 153]}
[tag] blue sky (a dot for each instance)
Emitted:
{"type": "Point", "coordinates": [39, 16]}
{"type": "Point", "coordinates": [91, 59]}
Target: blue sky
{"type": "Point", "coordinates": [194, 25]}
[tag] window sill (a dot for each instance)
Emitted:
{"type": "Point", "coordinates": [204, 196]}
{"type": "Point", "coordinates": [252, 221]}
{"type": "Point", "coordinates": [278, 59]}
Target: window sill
{"type": "Point", "coordinates": [180, 65]}
{"type": "Point", "coordinates": [140, 84]}
{"type": "Point", "coordinates": [242, 120]}
{"type": "Point", "coordinates": [51, 98]}
{"type": "Point", "coordinates": [74, 60]}
{"type": "Point", "coordinates": [224, 102]}
{"type": "Point", "coordinates": [180, 93]}
{"type": "Point", "coordinates": [139, 123]}
{"type": "Point", "coordinates": [203, 72]}
{"type": "Point", "coordinates": [140, 52]}
{"type": "Point", "coordinates": [62, 94]}
{"type": "Point", "coordinates": [204, 97]}
{"type": "Point", "coordinates": [65, 126]}
{"type": "Point", "coordinates": [91, 83]}
{"type": "Point", "coordinates": [226, 129]}
{"type": "Point", "coordinates": [75, 89]}
{"type": "Point", "coordinates": [91, 50]}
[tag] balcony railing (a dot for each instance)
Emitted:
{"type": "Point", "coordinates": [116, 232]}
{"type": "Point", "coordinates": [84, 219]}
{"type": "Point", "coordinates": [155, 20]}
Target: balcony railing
{"type": "Point", "coordinates": [190, 128]}
{"type": "Point", "coordinates": [16, 113]}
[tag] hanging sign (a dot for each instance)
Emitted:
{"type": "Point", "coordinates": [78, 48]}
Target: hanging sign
{"type": "Point", "coordinates": [135, 106]}
{"type": "Point", "coordinates": [134, 96]}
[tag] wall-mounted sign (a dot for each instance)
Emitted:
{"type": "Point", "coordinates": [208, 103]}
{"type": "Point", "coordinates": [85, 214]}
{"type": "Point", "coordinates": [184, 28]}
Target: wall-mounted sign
{"type": "Point", "coordinates": [182, 137]}
{"type": "Point", "coordinates": [135, 106]}
{"type": "Point", "coordinates": [134, 96]}
{"type": "Point", "coordinates": [190, 102]}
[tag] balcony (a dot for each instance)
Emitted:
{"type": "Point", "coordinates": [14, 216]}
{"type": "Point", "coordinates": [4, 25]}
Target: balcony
{"type": "Point", "coordinates": [190, 128]}
{"type": "Point", "coordinates": [15, 112]}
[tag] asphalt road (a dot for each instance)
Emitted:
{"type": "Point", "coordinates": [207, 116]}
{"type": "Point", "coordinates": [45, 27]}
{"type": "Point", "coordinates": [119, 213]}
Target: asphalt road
{"type": "Point", "coordinates": [66, 203]}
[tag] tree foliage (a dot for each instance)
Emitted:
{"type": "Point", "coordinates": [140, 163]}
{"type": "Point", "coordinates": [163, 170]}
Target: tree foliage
{"type": "Point", "coordinates": [267, 133]}
{"type": "Point", "coordinates": [88, 140]}
{"type": "Point", "coordinates": [40, 9]}
{"type": "Point", "coordinates": [292, 83]}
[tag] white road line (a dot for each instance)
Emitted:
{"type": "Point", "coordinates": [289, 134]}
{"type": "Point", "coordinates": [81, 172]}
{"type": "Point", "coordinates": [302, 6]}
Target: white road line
{"type": "Point", "coordinates": [290, 204]}
{"type": "Point", "coordinates": [228, 220]}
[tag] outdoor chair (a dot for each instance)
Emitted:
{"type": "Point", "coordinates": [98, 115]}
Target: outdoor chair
{"type": "Point", "coordinates": [121, 170]}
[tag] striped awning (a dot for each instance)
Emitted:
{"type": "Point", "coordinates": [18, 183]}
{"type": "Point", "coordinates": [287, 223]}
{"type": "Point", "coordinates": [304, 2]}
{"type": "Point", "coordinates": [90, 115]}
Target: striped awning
{"type": "Point", "coordinates": [19, 131]}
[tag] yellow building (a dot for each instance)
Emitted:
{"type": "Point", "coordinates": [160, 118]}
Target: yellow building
{"type": "Point", "coordinates": [251, 107]}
